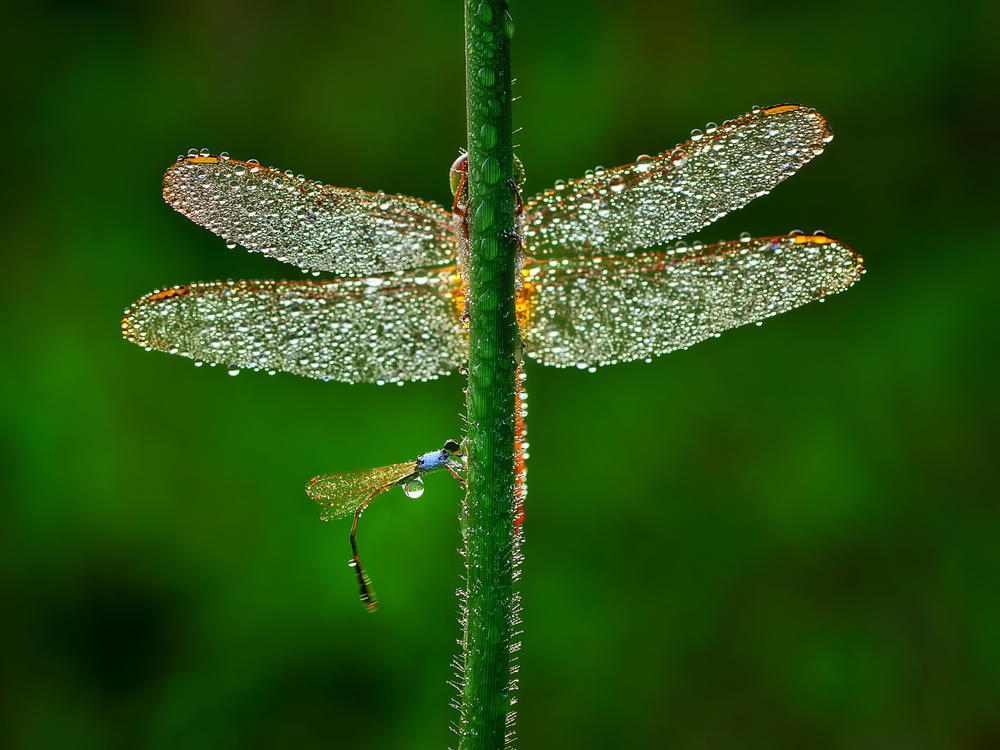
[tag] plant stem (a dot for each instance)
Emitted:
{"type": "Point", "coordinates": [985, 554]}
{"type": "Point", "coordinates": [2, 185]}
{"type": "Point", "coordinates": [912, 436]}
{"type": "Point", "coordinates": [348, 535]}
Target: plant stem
{"type": "Point", "coordinates": [485, 717]}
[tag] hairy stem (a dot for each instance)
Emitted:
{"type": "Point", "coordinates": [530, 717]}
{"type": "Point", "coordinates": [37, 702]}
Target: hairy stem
{"type": "Point", "coordinates": [485, 718]}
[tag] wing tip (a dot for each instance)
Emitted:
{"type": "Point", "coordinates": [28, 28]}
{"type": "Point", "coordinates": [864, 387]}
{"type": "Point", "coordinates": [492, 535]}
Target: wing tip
{"type": "Point", "coordinates": [131, 331]}
{"type": "Point", "coordinates": [783, 109]}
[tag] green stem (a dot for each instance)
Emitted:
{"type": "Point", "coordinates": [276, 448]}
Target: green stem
{"type": "Point", "coordinates": [485, 717]}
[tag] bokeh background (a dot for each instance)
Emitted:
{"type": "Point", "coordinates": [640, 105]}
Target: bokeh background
{"type": "Point", "coordinates": [783, 538]}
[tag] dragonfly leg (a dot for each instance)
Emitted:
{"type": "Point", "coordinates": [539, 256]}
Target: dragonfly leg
{"type": "Point", "coordinates": [364, 583]}
{"type": "Point", "coordinates": [517, 194]}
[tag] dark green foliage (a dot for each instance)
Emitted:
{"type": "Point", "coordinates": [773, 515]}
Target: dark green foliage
{"type": "Point", "coordinates": [785, 538]}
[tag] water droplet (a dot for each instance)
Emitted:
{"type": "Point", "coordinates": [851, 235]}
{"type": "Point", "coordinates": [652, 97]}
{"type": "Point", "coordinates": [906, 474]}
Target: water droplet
{"type": "Point", "coordinates": [696, 134]}
{"type": "Point", "coordinates": [491, 171]}
{"type": "Point", "coordinates": [230, 244]}
{"type": "Point", "coordinates": [485, 216]}
{"type": "Point", "coordinates": [679, 158]}
{"type": "Point", "coordinates": [745, 236]}
{"type": "Point", "coordinates": [488, 135]}
{"type": "Point", "coordinates": [414, 488]}
{"type": "Point", "coordinates": [617, 184]}
{"type": "Point", "coordinates": [233, 370]}
{"type": "Point", "coordinates": [711, 128]}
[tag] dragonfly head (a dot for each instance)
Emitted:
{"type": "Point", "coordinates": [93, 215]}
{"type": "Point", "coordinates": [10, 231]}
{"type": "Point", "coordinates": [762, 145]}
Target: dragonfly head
{"type": "Point", "coordinates": [453, 447]}
{"type": "Point", "coordinates": [460, 169]}
{"type": "Point", "coordinates": [457, 175]}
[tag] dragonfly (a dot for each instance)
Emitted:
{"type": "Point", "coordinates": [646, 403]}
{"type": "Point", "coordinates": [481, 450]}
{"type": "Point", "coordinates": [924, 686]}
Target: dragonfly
{"type": "Point", "coordinates": [351, 492]}
{"type": "Point", "coordinates": [592, 292]}
{"type": "Point", "coordinates": [598, 282]}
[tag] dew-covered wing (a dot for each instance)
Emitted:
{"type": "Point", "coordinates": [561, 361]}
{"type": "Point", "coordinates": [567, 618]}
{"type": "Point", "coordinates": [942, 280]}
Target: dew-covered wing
{"type": "Point", "coordinates": [597, 311]}
{"type": "Point", "coordinates": [374, 330]}
{"type": "Point", "coordinates": [308, 224]}
{"type": "Point", "coordinates": [343, 493]}
{"type": "Point", "coordinates": [656, 199]}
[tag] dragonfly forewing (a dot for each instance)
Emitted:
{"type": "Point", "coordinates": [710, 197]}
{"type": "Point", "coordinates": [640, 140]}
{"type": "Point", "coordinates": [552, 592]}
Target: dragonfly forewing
{"type": "Point", "coordinates": [377, 329]}
{"type": "Point", "coordinates": [611, 310]}
{"type": "Point", "coordinates": [657, 199]}
{"type": "Point", "coordinates": [343, 493]}
{"type": "Point", "coordinates": [307, 224]}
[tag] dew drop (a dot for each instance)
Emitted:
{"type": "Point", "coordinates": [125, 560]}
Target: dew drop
{"type": "Point", "coordinates": [414, 488]}
{"type": "Point", "coordinates": [488, 134]}
{"type": "Point", "coordinates": [233, 370]}
{"type": "Point", "coordinates": [696, 134]}
{"type": "Point", "coordinates": [487, 77]}
{"type": "Point", "coordinates": [745, 236]}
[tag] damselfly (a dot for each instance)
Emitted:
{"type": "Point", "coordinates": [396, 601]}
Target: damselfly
{"type": "Point", "coordinates": [350, 492]}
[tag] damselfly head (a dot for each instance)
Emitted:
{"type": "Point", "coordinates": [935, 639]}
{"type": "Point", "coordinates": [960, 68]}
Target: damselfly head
{"type": "Point", "coordinates": [453, 446]}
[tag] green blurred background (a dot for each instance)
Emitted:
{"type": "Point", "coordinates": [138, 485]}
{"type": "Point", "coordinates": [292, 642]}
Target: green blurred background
{"type": "Point", "coordinates": [784, 538]}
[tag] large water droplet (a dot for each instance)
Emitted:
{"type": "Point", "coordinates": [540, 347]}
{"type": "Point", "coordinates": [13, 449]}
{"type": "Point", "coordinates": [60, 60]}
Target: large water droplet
{"type": "Point", "coordinates": [414, 488]}
{"type": "Point", "coordinates": [488, 134]}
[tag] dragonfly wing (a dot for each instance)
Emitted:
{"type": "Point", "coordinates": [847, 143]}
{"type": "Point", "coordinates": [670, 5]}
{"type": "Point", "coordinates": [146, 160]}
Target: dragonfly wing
{"type": "Point", "coordinates": [643, 204]}
{"type": "Point", "coordinates": [379, 329]}
{"type": "Point", "coordinates": [308, 224]}
{"type": "Point", "coordinates": [600, 311]}
{"type": "Point", "coordinates": [343, 493]}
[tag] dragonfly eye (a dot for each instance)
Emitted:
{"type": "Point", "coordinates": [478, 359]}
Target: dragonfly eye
{"type": "Point", "coordinates": [458, 170]}
{"type": "Point", "coordinates": [452, 446]}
